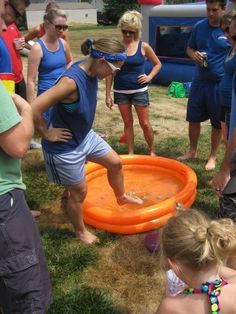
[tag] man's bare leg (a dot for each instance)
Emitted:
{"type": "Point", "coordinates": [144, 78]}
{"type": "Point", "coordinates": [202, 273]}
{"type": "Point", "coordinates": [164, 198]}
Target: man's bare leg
{"type": "Point", "coordinates": [215, 141]}
{"type": "Point", "coordinates": [194, 132]}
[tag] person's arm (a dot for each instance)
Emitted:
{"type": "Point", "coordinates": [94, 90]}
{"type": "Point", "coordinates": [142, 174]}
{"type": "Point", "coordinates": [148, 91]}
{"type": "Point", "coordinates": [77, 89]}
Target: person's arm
{"type": "Point", "coordinates": [221, 178]}
{"type": "Point", "coordinates": [152, 57]}
{"type": "Point", "coordinates": [32, 34]}
{"type": "Point", "coordinates": [69, 58]}
{"type": "Point", "coordinates": [15, 141]}
{"type": "Point", "coordinates": [64, 90]}
{"type": "Point", "coordinates": [109, 101]}
{"type": "Point", "coordinates": [34, 60]}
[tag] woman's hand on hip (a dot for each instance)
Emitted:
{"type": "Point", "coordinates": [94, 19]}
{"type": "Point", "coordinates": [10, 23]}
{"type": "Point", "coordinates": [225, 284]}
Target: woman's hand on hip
{"type": "Point", "coordinates": [144, 79]}
{"type": "Point", "coordinates": [59, 135]}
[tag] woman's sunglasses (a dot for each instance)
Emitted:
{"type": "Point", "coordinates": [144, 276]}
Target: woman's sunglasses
{"type": "Point", "coordinates": [125, 32]}
{"type": "Point", "coordinates": [60, 27]}
{"type": "Point", "coordinates": [112, 67]}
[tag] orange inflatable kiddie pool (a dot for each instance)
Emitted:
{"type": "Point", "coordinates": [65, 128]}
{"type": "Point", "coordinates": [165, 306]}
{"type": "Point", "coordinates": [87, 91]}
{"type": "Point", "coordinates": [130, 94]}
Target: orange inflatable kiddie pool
{"type": "Point", "coordinates": [160, 182]}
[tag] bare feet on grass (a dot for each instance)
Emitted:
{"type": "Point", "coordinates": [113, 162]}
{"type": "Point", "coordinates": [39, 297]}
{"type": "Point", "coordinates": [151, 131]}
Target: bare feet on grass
{"type": "Point", "coordinates": [188, 155]}
{"type": "Point", "coordinates": [211, 164]}
{"type": "Point", "coordinates": [87, 237]}
{"type": "Point", "coordinates": [125, 199]}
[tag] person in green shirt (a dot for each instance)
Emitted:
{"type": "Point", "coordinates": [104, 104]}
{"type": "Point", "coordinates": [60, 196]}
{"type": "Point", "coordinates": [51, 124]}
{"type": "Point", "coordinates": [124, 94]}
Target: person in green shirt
{"type": "Point", "coordinates": [24, 280]}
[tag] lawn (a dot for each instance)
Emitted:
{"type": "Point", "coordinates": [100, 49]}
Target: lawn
{"type": "Point", "coordinates": [119, 275]}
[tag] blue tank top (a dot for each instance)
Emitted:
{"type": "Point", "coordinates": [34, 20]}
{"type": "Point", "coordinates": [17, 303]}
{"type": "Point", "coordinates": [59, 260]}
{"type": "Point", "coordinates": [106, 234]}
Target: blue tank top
{"type": "Point", "coordinates": [77, 116]}
{"type": "Point", "coordinates": [127, 77]}
{"type": "Point", "coordinates": [52, 65]}
{"type": "Point", "coordinates": [225, 87]}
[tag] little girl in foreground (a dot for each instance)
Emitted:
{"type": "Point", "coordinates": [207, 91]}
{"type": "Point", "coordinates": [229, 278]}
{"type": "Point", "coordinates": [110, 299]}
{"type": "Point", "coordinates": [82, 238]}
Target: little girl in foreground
{"type": "Point", "coordinates": [195, 247]}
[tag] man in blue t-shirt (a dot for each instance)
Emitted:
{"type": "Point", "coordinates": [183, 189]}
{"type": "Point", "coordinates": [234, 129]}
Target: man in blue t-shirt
{"type": "Point", "coordinates": [208, 47]}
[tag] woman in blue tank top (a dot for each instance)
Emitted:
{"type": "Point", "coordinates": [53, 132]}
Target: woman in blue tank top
{"type": "Point", "coordinates": [196, 249]}
{"type": "Point", "coordinates": [68, 140]}
{"type": "Point", "coordinates": [131, 83]}
{"type": "Point", "coordinates": [49, 57]}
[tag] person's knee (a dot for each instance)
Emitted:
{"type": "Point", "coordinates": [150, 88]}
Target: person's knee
{"type": "Point", "coordinates": [146, 126]}
{"type": "Point", "coordinates": [78, 193]}
{"type": "Point", "coordinates": [116, 164]}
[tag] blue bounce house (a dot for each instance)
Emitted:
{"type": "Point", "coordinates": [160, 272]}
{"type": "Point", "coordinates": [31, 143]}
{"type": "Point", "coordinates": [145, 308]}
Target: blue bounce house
{"type": "Point", "coordinates": [167, 29]}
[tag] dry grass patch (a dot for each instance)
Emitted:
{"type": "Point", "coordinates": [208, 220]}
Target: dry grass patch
{"type": "Point", "coordinates": [130, 273]}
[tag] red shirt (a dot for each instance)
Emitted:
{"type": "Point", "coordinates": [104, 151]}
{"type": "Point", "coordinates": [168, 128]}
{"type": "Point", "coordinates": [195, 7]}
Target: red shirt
{"type": "Point", "coordinates": [8, 36]}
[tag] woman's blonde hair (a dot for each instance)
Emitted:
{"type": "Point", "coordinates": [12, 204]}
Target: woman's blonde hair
{"type": "Point", "coordinates": [227, 17]}
{"type": "Point", "coordinates": [132, 19]}
{"type": "Point", "coordinates": [195, 240]}
{"type": "Point", "coordinates": [52, 14]}
{"type": "Point", "coordinates": [107, 45]}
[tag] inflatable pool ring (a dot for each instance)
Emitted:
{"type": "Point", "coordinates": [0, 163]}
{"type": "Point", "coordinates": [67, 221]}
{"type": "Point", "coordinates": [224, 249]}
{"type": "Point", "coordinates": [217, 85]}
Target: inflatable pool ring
{"type": "Point", "coordinates": [160, 182]}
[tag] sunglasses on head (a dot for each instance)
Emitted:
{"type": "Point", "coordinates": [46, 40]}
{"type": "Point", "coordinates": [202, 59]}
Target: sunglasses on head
{"type": "Point", "coordinates": [125, 31]}
{"type": "Point", "coordinates": [112, 67]}
{"type": "Point", "coordinates": [17, 13]}
{"type": "Point", "coordinates": [60, 27]}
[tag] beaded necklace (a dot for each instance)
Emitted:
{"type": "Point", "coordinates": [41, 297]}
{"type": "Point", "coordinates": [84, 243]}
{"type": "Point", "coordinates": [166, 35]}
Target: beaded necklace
{"type": "Point", "coordinates": [213, 290]}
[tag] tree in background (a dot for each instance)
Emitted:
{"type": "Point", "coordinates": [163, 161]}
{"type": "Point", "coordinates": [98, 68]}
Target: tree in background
{"type": "Point", "coordinates": [115, 8]}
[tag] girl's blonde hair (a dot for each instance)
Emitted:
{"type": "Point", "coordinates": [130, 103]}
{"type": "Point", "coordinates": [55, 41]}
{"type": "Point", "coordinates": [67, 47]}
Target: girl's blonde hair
{"type": "Point", "coordinates": [132, 19]}
{"type": "Point", "coordinates": [195, 240]}
{"type": "Point", "coordinates": [52, 14]}
{"type": "Point", "coordinates": [107, 45]}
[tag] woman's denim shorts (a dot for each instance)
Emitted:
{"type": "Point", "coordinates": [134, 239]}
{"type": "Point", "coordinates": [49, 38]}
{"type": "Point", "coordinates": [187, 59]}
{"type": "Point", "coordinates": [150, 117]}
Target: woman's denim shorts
{"type": "Point", "coordinates": [136, 99]}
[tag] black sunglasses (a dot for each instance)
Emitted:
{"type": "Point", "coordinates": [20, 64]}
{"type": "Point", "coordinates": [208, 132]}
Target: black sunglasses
{"type": "Point", "coordinates": [60, 27]}
{"type": "Point", "coordinates": [125, 31]}
{"type": "Point", "coordinates": [17, 13]}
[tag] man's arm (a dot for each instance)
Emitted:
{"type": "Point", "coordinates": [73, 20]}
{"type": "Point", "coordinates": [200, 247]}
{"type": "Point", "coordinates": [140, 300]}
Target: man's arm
{"type": "Point", "coordinates": [15, 141]}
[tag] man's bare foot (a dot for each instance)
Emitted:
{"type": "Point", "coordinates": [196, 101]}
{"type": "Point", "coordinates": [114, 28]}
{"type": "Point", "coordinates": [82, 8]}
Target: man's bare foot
{"type": "Point", "coordinates": [211, 164]}
{"type": "Point", "coordinates": [124, 199]}
{"type": "Point", "coordinates": [87, 237]}
{"type": "Point", "coordinates": [188, 155]}
{"type": "Point", "coordinates": [153, 154]}
{"type": "Point", "coordinates": [35, 213]}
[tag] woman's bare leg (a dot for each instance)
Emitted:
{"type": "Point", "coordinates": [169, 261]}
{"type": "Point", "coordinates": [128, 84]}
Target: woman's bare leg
{"type": "Point", "coordinates": [113, 163]}
{"type": "Point", "coordinates": [76, 196]}
{"type": "Point", "coordinates": [143, 116]}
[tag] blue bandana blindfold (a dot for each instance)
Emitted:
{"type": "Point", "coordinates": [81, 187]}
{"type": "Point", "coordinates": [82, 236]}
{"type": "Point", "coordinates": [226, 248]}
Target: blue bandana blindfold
{"type": "Point", "coordinates": [107, 56]}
